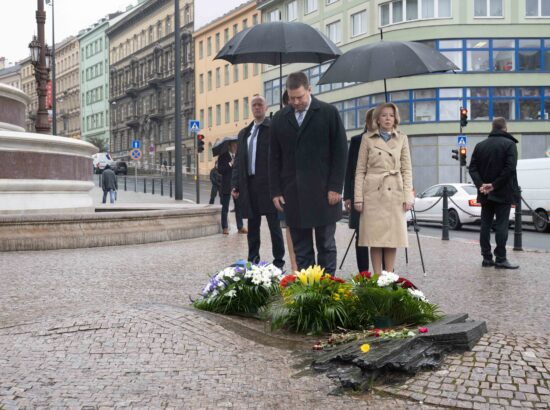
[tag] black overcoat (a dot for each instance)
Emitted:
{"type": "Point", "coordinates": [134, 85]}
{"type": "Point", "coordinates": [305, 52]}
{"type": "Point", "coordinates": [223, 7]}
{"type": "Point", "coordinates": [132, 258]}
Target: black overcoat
{"type": "Point", "coordinates": [349, 182]}
{"type": "Point", "coordinates": [307, 162]}
{"type": "Point", "coordinates": [225, 171]}
{"type": "Point", "coordinates": [494, 161]}
{"type": "Point", "coordinates": [261, 177]}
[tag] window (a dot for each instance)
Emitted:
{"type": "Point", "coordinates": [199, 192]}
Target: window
{"type": "Point", "coordinates": [201, 117]}
{"type": "Point", "coordinates": [209, 46]}
{"type": "Point", "coordinates": [235, 29]}
{"type": "Point", "coordinates": [477, 55]}
{"type": "Point", "coordinates": [274, 15]}
{"type": "Point", "coordinates": [210, 81]}
{"type": "Point", "coordinates": [529, 55]}
{"type": "Point", "coordinates": [359, 23]}
{"type": "Point", "coordinates": [218, 114]}
{"type": "Point", "coordinates": [245, 108]}
{"type": "Point", "coordinates": [334, 31]}
{"type": "Point", "coordinates": [537, 8]}
{"type": "Point", "coordinates": [256, 69]}
{"type": "Point", "coordinates": [245, 71]}
{"type": "Point", "coordinates": [218, 77]}
{"type": "Point", "coordinates": [201, 53]}
{"type": "Point", "coordinates": [245, 24]}
{"type": "Point", "coordinates": [254, 19]}
{"type": "Point", "coordinates": [217, 42]}
{"type": "Point", "coordinates": [292, 10]}
{"type": "Point", "coordinates": [331, 1]}
{"type": "Point", "coordinates": [227, 113]}
{"type": "Point", "coordinates": [226, 75]}
{"type": "Point", "coordinates": [168, 25]}
{"type": "Point", "coordinates": [488, 8]}
{"type": "Point", "coordinates": [397, 11]}
{"type": "Point", "coordinates": [226, 35]}
{"type": "Point", "coordinates": [310, 6]}
{"type": "Point", "coordinates": [235, 73]}
{"type": "Point", "coordinates": [210, 117]}
{"type": "Point", "coordinates": [236, 110]}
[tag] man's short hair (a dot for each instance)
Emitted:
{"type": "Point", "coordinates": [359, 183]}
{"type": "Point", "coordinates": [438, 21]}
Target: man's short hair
{"type": "Point", "coordinates": [297, 80]}
{"type": "Point", "coordinates": [499, 124]}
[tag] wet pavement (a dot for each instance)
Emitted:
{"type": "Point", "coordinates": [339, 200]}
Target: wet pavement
{"type": "Point", "coordinates": [112, 327]}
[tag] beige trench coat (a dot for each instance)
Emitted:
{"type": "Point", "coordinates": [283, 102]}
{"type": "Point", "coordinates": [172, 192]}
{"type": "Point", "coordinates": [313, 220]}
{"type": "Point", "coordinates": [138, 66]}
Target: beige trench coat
{"type": "Point", "coordinates": [383, 182]}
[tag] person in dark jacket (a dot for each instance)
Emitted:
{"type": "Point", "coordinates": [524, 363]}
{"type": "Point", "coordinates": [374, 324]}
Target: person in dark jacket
{"type": "Point", "coordinates": [215, 180]}
{"type": "Point", "coordinates": [109, 184]}
{"type": "Point", "coordinates": [251, 184]}
{"type": "Point", "coordinates": [307, 164]}
{"type": "Point", "coordinates": [361, 252]}
{"type": "Point", "coordinates": [493, 170]}
{"type": "Point", "coordinates": [225, 168]}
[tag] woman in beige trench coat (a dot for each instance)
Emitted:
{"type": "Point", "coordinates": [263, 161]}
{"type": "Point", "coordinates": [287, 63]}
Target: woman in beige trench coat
{"type": "Point", "coordinates": [383, 188]}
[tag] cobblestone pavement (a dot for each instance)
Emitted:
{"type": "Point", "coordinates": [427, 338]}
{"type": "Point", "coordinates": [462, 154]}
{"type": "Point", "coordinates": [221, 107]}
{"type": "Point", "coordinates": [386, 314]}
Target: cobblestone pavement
{"type": "Point", "coordinates": [109, 327]}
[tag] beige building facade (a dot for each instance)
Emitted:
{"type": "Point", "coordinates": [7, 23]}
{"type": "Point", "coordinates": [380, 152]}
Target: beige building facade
{"type": "Point", "coordinates": [11, 76]}
{"type": "Point", "coordinates": [223, 91]}
{"type": "Point", "coordinates": [67, 64]}
{"type": "Point", "coordinates": [28, 86]}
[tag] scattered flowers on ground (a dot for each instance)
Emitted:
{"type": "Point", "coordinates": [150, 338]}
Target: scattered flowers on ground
{"type": "Point", "coordinates": [365, 347]}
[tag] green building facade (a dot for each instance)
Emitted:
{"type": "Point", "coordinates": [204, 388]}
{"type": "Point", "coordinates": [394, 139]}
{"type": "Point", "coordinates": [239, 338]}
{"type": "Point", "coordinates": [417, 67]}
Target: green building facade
{"type": "Point", "coordinates": [502, 48]}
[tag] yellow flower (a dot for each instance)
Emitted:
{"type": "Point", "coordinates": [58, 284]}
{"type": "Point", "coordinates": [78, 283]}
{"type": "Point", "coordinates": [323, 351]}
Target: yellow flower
{"type": "Point", "coordinates": [335, 296]}
{"type": "Point", "coordinates": [310, 275]}
{"type": "Point", "coordinates": [365, 348]}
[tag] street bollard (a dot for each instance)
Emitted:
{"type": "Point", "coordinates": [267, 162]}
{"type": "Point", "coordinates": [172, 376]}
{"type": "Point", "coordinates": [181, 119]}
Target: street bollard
{"type": "Point", "coordinates": [170, 188]}
{"type": "Point", "coordinates": [161, 187]}
{"type": "Point", "coordinates": [135, 184]}
{"type": "Point", "coordinates": [445, 230]}
{"type": "Point", "coordinates": [144, 185]}
{"type": "Point", "coordinates": [125, 180]}
{"type": "Point", "coordinates": [518, 246]}
{"type": "Point", "coordinates": [153, 186]}
{"type": "Point", "coordinates": [100, 180]}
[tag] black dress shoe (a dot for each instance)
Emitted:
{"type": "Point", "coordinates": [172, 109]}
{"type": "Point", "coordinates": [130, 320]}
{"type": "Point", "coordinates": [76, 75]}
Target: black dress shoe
{"type": "Point", "coordinates": [505, 265]}
{"type": "Point", "coordinates": [487, 263]}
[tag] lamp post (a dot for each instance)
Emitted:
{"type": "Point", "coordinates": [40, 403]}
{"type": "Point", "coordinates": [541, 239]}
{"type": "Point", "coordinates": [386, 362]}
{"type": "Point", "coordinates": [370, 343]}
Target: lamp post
{"type": "Point", "coordinates": [40, 59]}
{"type": "Point", "coordinates": [177, 108]}
{"type": "Point", "coordinates": [54, 110]}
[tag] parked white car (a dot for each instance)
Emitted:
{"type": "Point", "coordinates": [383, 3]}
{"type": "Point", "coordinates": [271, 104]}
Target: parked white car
{"type": "Point", "coordinates": [101, 159]}
{"type": "Point", "coordinates": [534, 180]}
{"type": "Point", "coordinates": [464, 210]}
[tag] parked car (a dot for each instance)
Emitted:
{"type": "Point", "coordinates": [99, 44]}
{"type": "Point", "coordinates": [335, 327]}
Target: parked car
{"type": "Point", "coordinates": [534, 181]}
{"type": "Point", "coordinates": [466, 211]}
{"type": "Point", "coordinates": [100, 160]}
{"type": "Point", "coordinates": [121, 168]}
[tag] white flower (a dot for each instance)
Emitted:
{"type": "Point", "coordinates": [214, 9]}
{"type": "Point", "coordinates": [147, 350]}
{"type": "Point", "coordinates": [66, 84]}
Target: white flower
{"type": "Point", "coordinates": [417, 294]}
{"type": "Point", "coordinates": [230, 294]}
{"type": "Point", "coordinates": [386, 279]}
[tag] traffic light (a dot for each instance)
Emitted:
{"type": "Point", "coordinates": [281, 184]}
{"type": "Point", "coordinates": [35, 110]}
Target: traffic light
{"type": "Point", "coordinates": [455, 154]}
{"type": "Point", "coordinates": [463, 116]}
{"type": "Point", "coordinates": [200, 143]}
{"type": "Point", "coordinates": [463, 151]}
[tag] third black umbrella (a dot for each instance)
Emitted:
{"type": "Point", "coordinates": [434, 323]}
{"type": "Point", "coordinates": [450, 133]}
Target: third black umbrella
{"type": "Point", "coordinates": [386, 59]}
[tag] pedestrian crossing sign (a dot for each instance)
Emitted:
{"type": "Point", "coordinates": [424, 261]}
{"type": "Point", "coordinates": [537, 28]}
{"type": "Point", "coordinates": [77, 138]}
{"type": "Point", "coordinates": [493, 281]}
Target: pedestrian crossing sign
{"type": "Point", "coordinates": [194, 125]}
{"type": "Point", "coordinates": [461, 139]}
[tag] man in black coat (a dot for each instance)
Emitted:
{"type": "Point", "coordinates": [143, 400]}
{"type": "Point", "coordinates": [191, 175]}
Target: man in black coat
{"type": "Point", "coordinates": [215, 181]}
{"type": "Point", "coordinates": [250, 182]}
{"type": "Point", "coordinates": [307, 165]}
{"type": "Point", "coordinates": [225, 168]}
{"type": "Point", "coordinates": [493, 170]}
{"type": "Point", "coordinates": [109, 184]}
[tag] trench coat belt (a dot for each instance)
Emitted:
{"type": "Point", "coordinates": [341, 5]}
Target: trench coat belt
{"type": "Point", "coordinates": [385, 174]}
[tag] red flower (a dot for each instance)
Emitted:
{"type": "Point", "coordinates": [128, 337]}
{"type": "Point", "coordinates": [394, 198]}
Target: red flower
{"type": "Point", "coordinates": [287, 280]}
{"type": "Point", "coordinates": [405, 283]}
{"type": "Point", "coordinates": [339, 280]}
{"type": "Point", "coordinates": [365, 275]}
{"type": "Point", "coordinates": [422, 330]}
{"type": "Point", "coordinates": [377, 332]}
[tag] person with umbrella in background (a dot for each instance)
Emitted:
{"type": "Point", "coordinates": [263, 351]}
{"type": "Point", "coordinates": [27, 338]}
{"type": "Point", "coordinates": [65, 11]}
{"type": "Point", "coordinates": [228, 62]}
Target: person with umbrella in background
{"type": "Point", "coordinates": [226, 162]}
{"type": "Point", "coordinates": [307, 165]}
{"type": "Point", "coordinates": [383, 188]}
{"type": "Point", "coordinates": [215, 180]}
{"type": "Point", "coordinates": [250, 182]}
{"type": "Point", "coordinates": [361, 252]}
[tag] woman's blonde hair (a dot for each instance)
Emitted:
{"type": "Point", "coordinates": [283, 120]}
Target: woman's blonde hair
{"type": "Point", "coordinates": [368, 119]}
{"type": "Point", "coordinates": [378, 111]}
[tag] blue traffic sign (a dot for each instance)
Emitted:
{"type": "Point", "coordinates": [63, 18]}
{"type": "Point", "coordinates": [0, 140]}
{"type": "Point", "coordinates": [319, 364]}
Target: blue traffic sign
{"type": "Point", "coordinates": [461, 140]}
{"type": "Point", "coordinates": [136, 144]}
{"type": "Point", "coordinates": [135, 154]}
{"type": "Point", "coordinates": [194, 125]}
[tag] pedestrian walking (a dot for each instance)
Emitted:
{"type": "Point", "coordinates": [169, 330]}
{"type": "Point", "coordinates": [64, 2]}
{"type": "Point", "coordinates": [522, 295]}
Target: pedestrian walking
{"type": "Point", "coordinates": [109, 184]}
{"type": "Point", "coordinates": [308, 152]}
{"type": "Point", "coordinates": [361, 252]}
{"type": "Point", "coordinates": [250, 182]}
{"type": "Point", "coordinates": [493, 170]}
{"type": "Point", "coordinates": [215, 180]}
{"type": "Point", "coordinates": [383, 188]}
{"type": "Point", "coordinates": [225, 168]}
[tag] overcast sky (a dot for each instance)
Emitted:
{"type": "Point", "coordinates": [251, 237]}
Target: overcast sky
{"type": "Point", "coordinates": [18, 25]}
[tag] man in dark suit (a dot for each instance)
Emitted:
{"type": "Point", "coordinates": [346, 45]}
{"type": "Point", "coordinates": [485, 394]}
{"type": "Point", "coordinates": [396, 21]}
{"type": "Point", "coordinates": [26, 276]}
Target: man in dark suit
{"type": "Point", "coordinates": [225, 168]}
{"type": "Point", "coordinates": [493, 170]}
{"type": "Point", "coordinates": [250, 183]}
{"type": "Point", "coordinates": [307, 165]}
{"type": "Point", "coordinates": [361, 252]}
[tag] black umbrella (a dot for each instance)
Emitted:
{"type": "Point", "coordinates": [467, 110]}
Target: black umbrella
{"type": "Point", "coordinates": [386, 59]}
{"type": "Point", "coordinates": [222, 146]}
{"type": "Point", "coordinates": [279, 43]}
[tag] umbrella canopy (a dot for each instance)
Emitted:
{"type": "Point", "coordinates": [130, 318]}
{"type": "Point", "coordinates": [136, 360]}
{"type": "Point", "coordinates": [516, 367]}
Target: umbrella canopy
{"type": "Point", "coordinates": [222, 146]}
{"type": "Point", "coordinates": [279, 43]}
{"type": "Point", "coordinates": [386, 59]}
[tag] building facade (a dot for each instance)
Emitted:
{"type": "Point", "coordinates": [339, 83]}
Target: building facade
{"type": "Point", "coordinates": [28, 86]}
{"type": "Point", "coordinates": [94, 82]}
{"type": "Point", "coordinates": [142, 73]}
{"type": "Point", "coordinates": [11, 76]}
{"type": "Point", "coordinates": [502, 48]}
{"type": "Point", "coordinates": [224, 91]}
{"type": "Point", "coordinates": [67, 80]}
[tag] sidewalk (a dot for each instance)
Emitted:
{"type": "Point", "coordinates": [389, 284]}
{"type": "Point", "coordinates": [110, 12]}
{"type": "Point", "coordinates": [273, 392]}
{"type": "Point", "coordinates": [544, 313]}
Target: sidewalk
{"type": "Point", "coordinates": [112, 327]}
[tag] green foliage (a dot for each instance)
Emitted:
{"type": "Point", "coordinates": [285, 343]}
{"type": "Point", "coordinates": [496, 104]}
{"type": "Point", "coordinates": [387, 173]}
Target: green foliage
{"type": "Point", "coordinates": [249, 299]}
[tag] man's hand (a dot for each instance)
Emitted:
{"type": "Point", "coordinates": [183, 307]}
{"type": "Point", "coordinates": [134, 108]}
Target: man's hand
{"type": "Point", "coordinates": [486, 188]}
{"type": "Point", "coordinates": [358, 206]}
{"type": "Point", "coordinates": [347, 204]}
{"type": "Point", "coordinates": [234, 193]}
{"type": "Point", "coordinates": [334, 197]}
{"type": "Point", "coordinates": [279, 201]}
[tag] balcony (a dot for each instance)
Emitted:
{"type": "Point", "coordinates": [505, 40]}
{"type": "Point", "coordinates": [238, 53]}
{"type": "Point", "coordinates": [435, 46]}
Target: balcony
{"type": "Point", "coordinates": [155, 80]}
{"type": "Point", "coordinates": [156, 114]}
{"type": "Point", "coordinates": [132, 121]}
{"type": "Point", "coordinates": [132, 90]}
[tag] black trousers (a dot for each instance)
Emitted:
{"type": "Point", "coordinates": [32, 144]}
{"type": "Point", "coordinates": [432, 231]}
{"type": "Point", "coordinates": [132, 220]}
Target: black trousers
{"type": "Point", "coordinates": [326, 247]}
{"type": "Point", "coordinates": [501, 212]}
{"type": "Point", "coordinates": [225, 198]}
{"type": "Point", "coordinates": [254, 223]}
{"type": "Point", "coordinates": [362, 254]}
{"type": "Point", "coordinates": [213, 194]}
